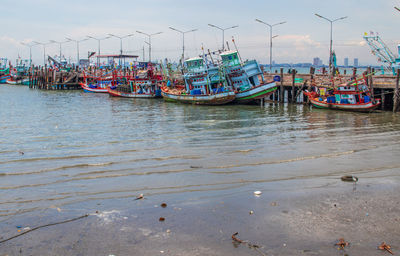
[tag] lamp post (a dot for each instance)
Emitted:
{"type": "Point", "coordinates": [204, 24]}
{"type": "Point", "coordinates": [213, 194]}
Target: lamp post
{"type": "Point", "coordinates": [183, 39]}
{"type": "Point", "coordinates": [330, 48]}
{"type": "Point", "coordinates": [149, 43]}
{"type": "Point", "coordinates": [223, 33]}
{"type": "Point", "coordinates": [98, 41]}
{"type": "Point", "coordinates": [30, 51]}
{"type": "Point", "coordinates": [60, 43]}
{"type": "Point", "coordinates": [44, 51]}
{"type": "Point", "coordinates": [270, 38]}
{"type": "Point", "coordinates": [120, 38]}
{"type": "Point", "coordinates": [77, 47]}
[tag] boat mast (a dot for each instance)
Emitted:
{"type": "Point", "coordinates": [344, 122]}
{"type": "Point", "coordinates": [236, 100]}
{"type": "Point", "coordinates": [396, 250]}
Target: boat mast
{"type": "Point", "coordinates": [233, 40]}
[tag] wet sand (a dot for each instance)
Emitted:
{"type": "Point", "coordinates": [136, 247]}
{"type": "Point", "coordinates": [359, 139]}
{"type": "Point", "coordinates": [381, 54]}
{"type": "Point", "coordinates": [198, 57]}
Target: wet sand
{"type": "Point", "coordinates": [301, 222]}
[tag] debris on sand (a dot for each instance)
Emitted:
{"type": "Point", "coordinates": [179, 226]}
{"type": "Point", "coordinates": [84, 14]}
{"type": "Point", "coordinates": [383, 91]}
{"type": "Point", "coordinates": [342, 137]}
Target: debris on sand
{"type": "Point", "coordinates": [139, 197]}
{"type": "Point", "coordinates": [385, 247]}
{"type": "Point", "coordinates": [257, 193]}
{"type": "Point", "coordinates": [349, 178]}
{"type": "Point", "coordinates": [342, 243]}
{"type": "Point", "coordinates": [250, 245]}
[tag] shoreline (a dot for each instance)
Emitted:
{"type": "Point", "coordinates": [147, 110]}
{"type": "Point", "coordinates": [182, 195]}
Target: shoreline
{"type": "Point", "coordinates": [304, 222]}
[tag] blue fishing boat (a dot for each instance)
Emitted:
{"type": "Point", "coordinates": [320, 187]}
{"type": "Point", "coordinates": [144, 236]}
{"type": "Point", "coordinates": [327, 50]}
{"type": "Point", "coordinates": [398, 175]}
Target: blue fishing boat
{"type": "Point", "coordinates": [205, 84]}
{"type": "Point", "coordinates": [4, 71]}
{"type": "Point", "coordinates": [246, 78]}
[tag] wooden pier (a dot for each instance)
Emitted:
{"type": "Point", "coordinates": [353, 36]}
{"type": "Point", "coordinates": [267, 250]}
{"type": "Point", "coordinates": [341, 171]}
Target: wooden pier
{"type": "Point", "coordinates": [292, 85]}
{"type": "Point", "coordinates": [52, 79]}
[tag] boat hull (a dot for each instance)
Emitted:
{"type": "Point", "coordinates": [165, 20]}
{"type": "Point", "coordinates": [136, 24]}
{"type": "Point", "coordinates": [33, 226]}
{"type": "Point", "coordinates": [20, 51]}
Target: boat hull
{"type": "Point", "coordinates": [255, 93]}
{"type": "Point", "coordinates": [361, 107]}
{"type": "Point", "coordinates": [214, 99]}
{"type": "Point", "coordinates": [18, 82]}
{"type": "Point", "coordinates": [116, 93]}
{"type": "Point", "coordinates": [88, 89]}
{"type": "Point", "coordinates": [3, 79]}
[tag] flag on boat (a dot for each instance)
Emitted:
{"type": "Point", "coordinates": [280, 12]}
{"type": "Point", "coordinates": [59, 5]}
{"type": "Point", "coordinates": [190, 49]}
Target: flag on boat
{"type": "Point", "coordinates": [90, 54]}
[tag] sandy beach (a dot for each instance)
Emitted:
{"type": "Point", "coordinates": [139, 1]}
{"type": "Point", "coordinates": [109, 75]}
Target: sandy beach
{"type": "Point", "coordinates": [291, 223]}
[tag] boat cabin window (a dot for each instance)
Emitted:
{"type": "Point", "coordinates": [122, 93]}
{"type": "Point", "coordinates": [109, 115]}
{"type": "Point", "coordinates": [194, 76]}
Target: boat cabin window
{"type": "Point", "coordinates": [194, 64]}
{"type": "Point", "coordinates": [231, 59]}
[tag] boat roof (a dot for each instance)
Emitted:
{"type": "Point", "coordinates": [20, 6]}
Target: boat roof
{"type": "Point", "coordinates": [194, 58]}
{"type": "Point", "coordinates": [228, 53]}
{"type": "Point", "coordinates": [117, 56]}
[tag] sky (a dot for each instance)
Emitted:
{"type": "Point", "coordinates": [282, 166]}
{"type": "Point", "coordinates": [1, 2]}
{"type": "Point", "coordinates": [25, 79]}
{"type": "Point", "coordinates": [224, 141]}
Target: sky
{"type": "Point", "coordinates": [303, 36]}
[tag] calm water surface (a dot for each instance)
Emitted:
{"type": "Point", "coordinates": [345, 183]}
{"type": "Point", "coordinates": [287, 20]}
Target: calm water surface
{"type": "Point", "coordinates": [79, 148]}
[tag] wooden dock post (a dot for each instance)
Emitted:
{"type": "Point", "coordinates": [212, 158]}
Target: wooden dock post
{"type": "Point", "coordinates": [371, 82]}
{"type": "Point", "coordinates": [382, 99]}
{"type": "Point", "coordinates": [396, 94]}
{"type": "Point", "coordinates": [293, 85]}
{"type": "Point", "coordinates": [281, 89]}
{"type": "Point", "coordinates": [305, 98]}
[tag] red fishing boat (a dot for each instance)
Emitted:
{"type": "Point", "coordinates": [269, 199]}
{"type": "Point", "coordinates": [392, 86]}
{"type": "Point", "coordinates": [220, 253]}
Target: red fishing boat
{"type": "Point", "coordinates": [141, 84]}
{"type": "Point", "coordinates": [351, 96]}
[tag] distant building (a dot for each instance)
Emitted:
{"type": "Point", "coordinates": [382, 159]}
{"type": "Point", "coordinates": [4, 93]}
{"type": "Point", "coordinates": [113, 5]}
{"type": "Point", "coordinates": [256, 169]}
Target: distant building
{"type": "Point", "coordinates": [317, 62]}
{"type": "Point", "coordinates": [84, 62]}
{"type": "Point", "coordinates": [346, 62]}
{"type": "Point", "coordinates": [355, 62]}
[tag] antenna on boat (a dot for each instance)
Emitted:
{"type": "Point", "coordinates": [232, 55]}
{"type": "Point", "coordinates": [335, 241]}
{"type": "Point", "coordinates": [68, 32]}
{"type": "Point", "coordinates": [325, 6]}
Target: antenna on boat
{"type": "Point", "coordinates": [233, 40]}
{"type": "Point", "coordinates": [227, 46]}
{"type": "Point", "coordinates": [209, 53]}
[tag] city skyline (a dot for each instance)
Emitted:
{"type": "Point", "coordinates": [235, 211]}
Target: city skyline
{"type": "Point", "coordinates": [303, 37]}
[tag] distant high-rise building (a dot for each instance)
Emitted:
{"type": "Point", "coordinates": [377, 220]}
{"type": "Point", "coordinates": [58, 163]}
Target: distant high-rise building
{"type": "Point", "coordinates": [317, 62]}
{"type": "Point", "coordinates": [346, 62]}
{"type": "Point", "coordinates": [355, 62]}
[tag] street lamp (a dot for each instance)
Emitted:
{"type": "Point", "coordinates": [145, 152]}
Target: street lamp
{"type": "Point", "coordinates": [44, 51]}
{"type": "Point", "coordinates": [30, 51]}
{"type": "Point", "coordinates": [120, 38]}
{"type": "Point", "coordinates": [149, 43]}
{"type": "Point", "coordinates": [270, 38]}
{"type": "Point", "coordinates": [330, 48]}
{"type": "Point", "coordinates": [98, 41]}
{"type": "Point", "coordinates": [183, 39]}
{"type": "Point", "coordinates": [60, 43]}
{"type": "Point", "coordinates": [77, 47]}
{"type": "Point", "coordinates": [223, 33]}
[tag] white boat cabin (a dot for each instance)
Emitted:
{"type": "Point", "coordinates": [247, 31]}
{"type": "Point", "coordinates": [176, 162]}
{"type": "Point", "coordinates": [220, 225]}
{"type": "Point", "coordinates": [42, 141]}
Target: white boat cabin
{"type": "Point", "coordinates": [241, 76]}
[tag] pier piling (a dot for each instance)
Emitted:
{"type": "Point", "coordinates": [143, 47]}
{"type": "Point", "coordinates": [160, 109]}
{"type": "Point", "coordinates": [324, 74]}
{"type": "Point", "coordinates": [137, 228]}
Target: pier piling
{"type": "Point", "coordinates": [396, 94]}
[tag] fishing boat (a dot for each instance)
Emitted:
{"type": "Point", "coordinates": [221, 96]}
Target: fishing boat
{"type": "Point", "coordinates": [142, 84]}
{"type": "Point", "coordinates": [246, 78]}
{"type": "Point", "coordinates": [134, 89]}
{"type": "Point", "coordinates": [205, 84]}
{"type": "Point", "coordinates": [17, 81]}
{"type": "Point", "coordinates": [351, 96]}
{"type": "Point", "coordinates": [96, 82]}
{"type": "Point", "coordinates": [4, 71]}
{"type": "Point", "coordinates": [4, 75]}
{"type": "Point", "coordinates": [99, 85]}
{"type": "Point", "coordinates": [19, 73]}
